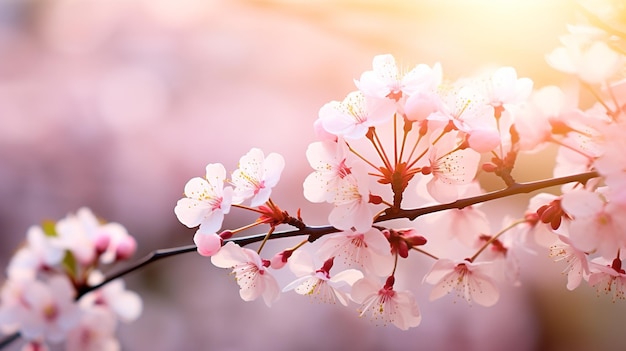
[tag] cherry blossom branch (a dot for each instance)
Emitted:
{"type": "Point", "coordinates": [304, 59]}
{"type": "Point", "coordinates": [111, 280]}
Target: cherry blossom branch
{"type": "Point", "coordinates": [315, 233]}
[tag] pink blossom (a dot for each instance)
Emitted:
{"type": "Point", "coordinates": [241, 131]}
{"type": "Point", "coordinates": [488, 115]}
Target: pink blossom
{"type": "Point", "coordinates": [472, 281]}
{"type": "Point", "coordinates": [386, 305]}
{"type": "Point", "coordinates": [351, 202]}
{"type": "Point", "coordinates": [577, 266]}
{"type": "Point", "coordinates": [609, 277]}
{"type": "Point", "coordinates": [206, 201]}
{"type": "Point", "coordinates": [120, 244]}
{"type": "Point", "coordinates": [386, 81]}
{"type": "Point", "coordinates": [534, 120]}
{"type": "Point", "coordinates": [44, 310]}
{"type": "Point", "coordinates": [250, 272]}
{"type": "Point", "coordinates": [369, 250]}
{"type": "Point", "coordinates": [318, 282]}
{"type": "Point", "coordinates": [463, 224]}
{"type": "Point", "coordinates": [94, 332]}
{"type": "Point", "coordinates": [597, 224]}
{"type": "Point", "coordinates": [504, 88]}
{"type": "Point", "coordinates": [208, 244]}
{"type": "Point", "coordinates": [40, 252]}
{"type": "Point", "coordinates": [256, 176]}
{"type": "Point", "coordinates": [352, 117]}
{"type": "Point", "coordinates": [465, 106]}
{"type": "Point", "coordinates": [611, 163]}
{"type": "Point", "coordinates": [78, 232]}
{"type": "Point", "coordinates": [591, 59]}
{"type": "Point", "coordinates": [449, 168]}
{"type": "Point", "coordinates": [127, 305]}
{"type": "Point", "coordinates": [331, 163]}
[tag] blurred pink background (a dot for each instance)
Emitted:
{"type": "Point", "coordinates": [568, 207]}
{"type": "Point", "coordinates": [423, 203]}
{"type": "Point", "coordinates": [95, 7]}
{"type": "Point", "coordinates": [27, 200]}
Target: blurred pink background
{"type": "Point", "coordinates": [114, 105]}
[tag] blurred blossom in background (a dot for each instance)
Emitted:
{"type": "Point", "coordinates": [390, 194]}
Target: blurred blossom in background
{"type": "Point", "coordinates": [116, 104]}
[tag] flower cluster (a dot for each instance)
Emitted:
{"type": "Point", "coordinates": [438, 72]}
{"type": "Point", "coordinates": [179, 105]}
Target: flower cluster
{"type": "Point", "coordinates": [407, 135]}
{"type": "Point", "coordinates": [48, 296]}
{"type": "Point", "coordinates": [400, 138]}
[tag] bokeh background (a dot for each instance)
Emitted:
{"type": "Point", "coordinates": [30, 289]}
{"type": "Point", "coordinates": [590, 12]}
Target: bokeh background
{"type": "Point", "coordinates": [115, 104]}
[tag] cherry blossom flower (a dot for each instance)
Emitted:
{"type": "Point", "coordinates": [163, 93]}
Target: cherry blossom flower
{"type": "Point", "coordinates": [77, 232]}
{"type": "Point", "coordinates": [318, 282]}
{"type": "Point", "coordinates": [40, 252]}
{"type": "Point", "coordinates": [466, 107]}
{"type": "Point", "coordinates": [88, 239]}
{"type": "Point", "coordinates": [577, 265]}
{"type": "Point", "coordinates": [256, 176]}
{"type": "Point", "coordinates": [351, 202]}
{"type": "Point", "coordinates": [352, 117]}
{"type": "Point", "coordinates": [505, 89]}
{"type": "Point", "coordinates": [120, 246]}
{"type": "Point", "coordinates": [597, 225]}
{"type": "Point", "coordinates": [331, 163]}
{"type": "Point", "coordinates": [471, 280]}
{"type": "Point", "coordinates": [548, 109]}
{"type": "Point", "coordinates": [42, 311]}
{"type": "Point", "coordinates": [592, 60]}
{"type": "Point", "coordinates": [94, 332]}
{"type": "Point", "coordinates": [609, 278]}
{"type": "Point", "coordinates": [250, 271]}
{"type": "Point", "coordinates": [127, 305]}
{"type": "Point", "coordinates": [386, 305]}
{"type": "Point", "coordinates": [369, 250]}
{"type": "Point", "coordinates": [402, 240]}
{"type": "Point", "coordinates": [449, 168]}
{"type": "Point", "coordinates": [206, 201]}
{"type": "Point", "coordinates": [612, 160]}
{"type": "Point", "coordinates": [386, 81]}
{"type": "Point", "coordinates": [500, 252]}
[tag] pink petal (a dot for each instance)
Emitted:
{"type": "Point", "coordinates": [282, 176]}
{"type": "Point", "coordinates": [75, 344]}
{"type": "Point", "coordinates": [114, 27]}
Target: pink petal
{"type": "Point", "coordinates": [207, 244]}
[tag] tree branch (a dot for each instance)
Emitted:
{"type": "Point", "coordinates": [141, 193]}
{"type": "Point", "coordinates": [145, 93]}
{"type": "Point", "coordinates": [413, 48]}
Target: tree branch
{"type": "Point", "coordinates": [315, 233]}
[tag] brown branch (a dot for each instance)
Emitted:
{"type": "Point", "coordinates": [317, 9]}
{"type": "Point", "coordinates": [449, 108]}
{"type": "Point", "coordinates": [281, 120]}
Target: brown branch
{"type": "Point", "coordinates": [315, 233]}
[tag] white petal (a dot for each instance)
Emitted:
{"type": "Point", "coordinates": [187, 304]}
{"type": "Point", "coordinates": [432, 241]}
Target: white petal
{"type": "Point", "coordinates": [229, 256]}
{"type": "Point", "coordinates": [582, 203]}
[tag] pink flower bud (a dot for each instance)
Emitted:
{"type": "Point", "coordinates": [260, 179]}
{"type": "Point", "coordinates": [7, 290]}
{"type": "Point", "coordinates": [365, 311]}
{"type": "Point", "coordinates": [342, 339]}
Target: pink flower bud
{"type": "Point", "coordinates": [125, 249]}
{"type": "Point", "coordinates": [208, 244]}
{"type": "Point", "coordinates": [102, 243]}
{"type": "Point", "coordinates": [280, 259]}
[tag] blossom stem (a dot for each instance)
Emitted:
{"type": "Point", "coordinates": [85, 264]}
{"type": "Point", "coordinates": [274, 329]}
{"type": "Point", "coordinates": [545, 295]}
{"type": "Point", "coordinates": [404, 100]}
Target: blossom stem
{"type": "Point", "coordinates": [395, 264]}
{"type": "Point", "coordinates": [247, 208]}
{"type": "Point", "coordinates": [419, 139]}
{"type": "Point", "coordinates": [425, 252]}
{"type": "Point", "coordinates": [560, 143]}
{"type": "Point", "coordinates": [405, 134]}
{"type": "Point", "coordinates": [495, 237]}
{"type": "Point", "coordinates": [248, 226]}
{"type": "Point", "coordinates": [267, 236]}
{"type": "Point", "coordinates": [373, 137]}
{"type": "Point", "coordinates": [443, 132]}
{"type": "Point", "coordinates": [395, 139]}
{"type": "Point", "coordinates": [363, 158]}
{"type": "Point", "coordinates": [300, 244]}
{"type": "Point", "coordinates": [609, 111]}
